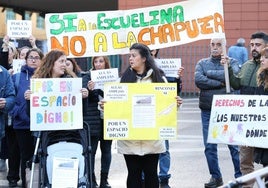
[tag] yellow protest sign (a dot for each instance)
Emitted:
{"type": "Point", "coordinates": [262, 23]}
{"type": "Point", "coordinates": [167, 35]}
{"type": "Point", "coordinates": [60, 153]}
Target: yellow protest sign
{"type": "Point", "coordinates": [136, 111]}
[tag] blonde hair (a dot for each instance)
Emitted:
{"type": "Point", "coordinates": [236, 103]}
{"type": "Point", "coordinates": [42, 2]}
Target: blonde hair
{"type": "Point", "coordinates": [262, 74]}
{"type": "Point", "coordinates": [13, 48]}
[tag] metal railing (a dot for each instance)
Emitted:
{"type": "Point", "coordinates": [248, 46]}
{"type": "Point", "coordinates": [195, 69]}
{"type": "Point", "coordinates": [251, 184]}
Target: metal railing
{"type": "Point", "coordinates": [258, 176]}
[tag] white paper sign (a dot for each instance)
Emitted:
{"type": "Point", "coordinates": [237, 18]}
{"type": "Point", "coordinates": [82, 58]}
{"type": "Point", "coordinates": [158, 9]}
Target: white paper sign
{"type": "Point", "coordinates": [17, 64]}
{"type": "Point", "coordinates": [65, 173]}
{"type": "Point", "coordinates": [169, 66]}
{"type": "Point", "coordinates": [99, 77]}
{"type": "Point", "coordinates": [19, 28]}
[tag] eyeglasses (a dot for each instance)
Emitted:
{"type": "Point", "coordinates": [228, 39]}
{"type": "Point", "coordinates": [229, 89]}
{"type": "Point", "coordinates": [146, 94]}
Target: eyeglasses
{"type": "Point", "coordinates": [34, 58]}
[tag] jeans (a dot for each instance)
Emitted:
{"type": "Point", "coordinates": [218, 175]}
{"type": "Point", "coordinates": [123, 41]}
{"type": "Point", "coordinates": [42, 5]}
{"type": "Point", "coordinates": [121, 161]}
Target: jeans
{"type": "Point", "coordinates": [164, 164]}
{"type": "Point", "coordinates": [211, 151]}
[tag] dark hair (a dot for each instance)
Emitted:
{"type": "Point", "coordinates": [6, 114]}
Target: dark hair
{"type": "Point", "coordinates": [156, 53]}
{"type": "Point", "coordinates": [40, 53]}
{"type": "Point", "coordinates": [76, 68]}
{"type": "Point", "coordinates": [130, 75]}
{"type": "Point", "coordinates": [260, 35]}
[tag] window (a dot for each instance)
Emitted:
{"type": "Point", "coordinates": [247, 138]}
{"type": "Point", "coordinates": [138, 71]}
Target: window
{"type": "Point", "coordinates": [28, 15]}
{"type": "Point", "coordinates": [10, 15]}
{"type": "Point", "coordinates": [40, 22]}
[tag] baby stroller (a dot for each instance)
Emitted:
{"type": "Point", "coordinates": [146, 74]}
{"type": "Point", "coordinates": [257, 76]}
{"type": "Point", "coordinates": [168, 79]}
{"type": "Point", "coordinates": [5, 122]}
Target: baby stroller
{"type": "Point", "coordinates": [71, 147]}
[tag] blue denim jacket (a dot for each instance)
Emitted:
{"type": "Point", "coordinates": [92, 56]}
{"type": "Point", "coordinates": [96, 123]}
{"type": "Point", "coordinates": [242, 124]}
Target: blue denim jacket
{"type": "Point", "coordinates": [7, 91]}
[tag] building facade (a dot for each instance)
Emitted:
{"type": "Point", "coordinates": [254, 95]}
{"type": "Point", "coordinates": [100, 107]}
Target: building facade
{"type": "Point", "coordinates": [242, 18]}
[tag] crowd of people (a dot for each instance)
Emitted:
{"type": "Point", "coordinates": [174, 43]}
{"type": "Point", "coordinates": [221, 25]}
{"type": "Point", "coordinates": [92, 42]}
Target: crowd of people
{"type": "Point", "coordinates": [18, 141]}
{"type": "Point", "coordinates": [142, 157]}
{"type": "Point", "coordinates": [248, 78]}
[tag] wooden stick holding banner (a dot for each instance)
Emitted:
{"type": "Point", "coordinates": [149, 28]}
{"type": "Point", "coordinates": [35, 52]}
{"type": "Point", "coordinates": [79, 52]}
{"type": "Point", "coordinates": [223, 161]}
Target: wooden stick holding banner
{"type": "Point", "coordinates": [226, 72]}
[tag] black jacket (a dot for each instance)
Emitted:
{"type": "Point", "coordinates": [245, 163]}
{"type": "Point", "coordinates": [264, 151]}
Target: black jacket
{"type": "Point", "coordinates": [261, 154]}
{"type": "Point", "coordinates": [92, 114]}
{"type": "Point", "coordinates": [210, 79]}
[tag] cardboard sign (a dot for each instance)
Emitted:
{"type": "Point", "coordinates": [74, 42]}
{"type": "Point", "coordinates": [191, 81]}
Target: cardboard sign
{"type": "Point", "coordinates": [56, 104]}
{"type": "Point", "coordinates": [239, 120]}
{"type": "Point", "coordinates": [140, 111]}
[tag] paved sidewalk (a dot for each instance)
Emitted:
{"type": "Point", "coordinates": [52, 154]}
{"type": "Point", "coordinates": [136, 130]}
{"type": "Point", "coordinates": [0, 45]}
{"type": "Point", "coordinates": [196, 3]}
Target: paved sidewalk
{"type": "Point", "coordinates": [188, 163]}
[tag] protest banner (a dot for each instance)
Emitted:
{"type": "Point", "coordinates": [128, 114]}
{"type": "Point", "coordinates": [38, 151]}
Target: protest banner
{"type": "Point", "coordinates": [85, 34]}
{"type": "Point", "coordinates": [56, 104]}
{"type": "Point", "coordinates": [19, 28]}
{"type": "Point", "coordinates": [239, 120]}
{"type": "Point", "coordinates": [140, 111]}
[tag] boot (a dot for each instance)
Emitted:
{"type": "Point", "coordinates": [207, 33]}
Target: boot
{"type": "Point", "coordinates": [164, 183]}
{"type": "Point", "coordinates": [104, 181]}
{"type": "Point", "coordinates": [94, 182]}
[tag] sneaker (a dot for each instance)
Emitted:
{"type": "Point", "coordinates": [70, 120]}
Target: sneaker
{"type": "Point", "coordinates": [12, 183]}
{"type": "Point", "coordinates": [3, 165]}
{"type": "Point", "coordinates": [214, 182]}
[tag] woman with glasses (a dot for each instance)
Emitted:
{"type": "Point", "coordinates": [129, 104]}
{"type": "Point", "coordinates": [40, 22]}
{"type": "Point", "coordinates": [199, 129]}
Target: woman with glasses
{"type": "Point", "coordinates": [21, 120]}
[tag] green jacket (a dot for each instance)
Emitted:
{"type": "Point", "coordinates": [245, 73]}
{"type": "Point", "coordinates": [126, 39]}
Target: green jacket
{"type": "Point", "coordinates": [246, 79]}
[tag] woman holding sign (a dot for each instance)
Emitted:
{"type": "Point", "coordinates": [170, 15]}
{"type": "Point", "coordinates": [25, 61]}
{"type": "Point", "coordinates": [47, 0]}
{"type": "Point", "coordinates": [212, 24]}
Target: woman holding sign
{"type": "Point", "coordinates": [261, 154]}
{"type": "Point", "coordinates": [53, 66]}
{"type": "Point", "coordinates": [142, 156]}
{"type": "Point", "coordinates": [21, 120]}
{"type": "Point", "coordinates": [94, 119]}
